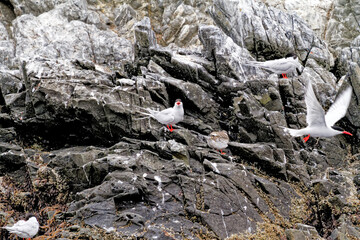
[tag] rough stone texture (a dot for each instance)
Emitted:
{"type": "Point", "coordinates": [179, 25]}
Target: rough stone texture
{"type": "Point", "coordinates": [316, 15]}
{"type": "Point", "coordinates": [341, 30]}
{"type": "Point", "coordinates": [175, 23]}
{"type": "Point", "coordinates": [268, 32]}
{"type": "Point", "coordinates": [304, 232]}
{"type": "Point", "coordinates": [76, 75]}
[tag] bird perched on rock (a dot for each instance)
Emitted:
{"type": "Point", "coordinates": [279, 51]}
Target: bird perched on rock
{"type": "Point", "coordinates": [218, 140]}
{"type": "Point", "coordinates": [279, 66]}
{"type": "Point", "coordinates": [169, 116]}
{"type": "Point", "coordinates": [319, 124]}
{"type": "Point", "coordinates": [25, 229]}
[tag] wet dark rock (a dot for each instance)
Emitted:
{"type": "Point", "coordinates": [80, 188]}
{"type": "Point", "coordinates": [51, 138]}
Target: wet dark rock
{"type": "Point", "coordinates": [77, 76]}
{"type": "Point", "coordinates": [75, 167]}
{"type": "Point", "coordinates": [12, 160]}
{"type": "Point", "coordinates": [100, 214]}
{"type": "Point", "coordinates": [264, 156]}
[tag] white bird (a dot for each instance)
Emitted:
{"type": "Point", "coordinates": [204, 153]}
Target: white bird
{"type": "Point", "coordinates": [279, 66]}
{"type": "Point", "coordinates": [25, 229]}
{"type": "Point", "coordinates": [218, 140]}
{"type": "Point", "coordinates": [169, 116]}
{"type": "Point", "coordinates": [319, 124]}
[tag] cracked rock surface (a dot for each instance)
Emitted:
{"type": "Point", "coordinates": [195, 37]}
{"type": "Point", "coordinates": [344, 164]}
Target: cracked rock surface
{"type": "Point", "coordinates": [76, 150]}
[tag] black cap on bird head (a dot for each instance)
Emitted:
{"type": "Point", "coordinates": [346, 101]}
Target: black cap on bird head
{"type": "Point", "coordinates": [337, 128]}
{"type": "Point", "coordinates": [29, 215]}
{"type": "Point", "coordinates": [293, 55]}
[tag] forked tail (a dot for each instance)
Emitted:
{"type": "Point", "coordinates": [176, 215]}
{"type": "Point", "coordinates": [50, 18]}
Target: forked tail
{"type": "Point", "coordinates": [293, 132]}
{"type": "Point", "coordinates": [148, 116]}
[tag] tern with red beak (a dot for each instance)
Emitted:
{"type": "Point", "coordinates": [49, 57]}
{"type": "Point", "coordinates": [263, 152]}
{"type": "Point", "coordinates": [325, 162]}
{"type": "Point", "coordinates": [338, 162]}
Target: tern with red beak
{"type": "Point", "coordinates": [319, 123]}
{"type": "Point", "coordinates": [25, 229]}
{"type": "Point", "coordinates": [279, 66]}
{"type": "Point", "coordinates": [169, 116]}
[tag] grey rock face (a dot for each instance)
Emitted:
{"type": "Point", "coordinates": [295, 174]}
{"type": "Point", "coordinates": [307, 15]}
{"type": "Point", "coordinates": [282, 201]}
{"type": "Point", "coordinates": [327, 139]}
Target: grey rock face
{"type": "Point", "coordinates": [267, 31]}
{"type": "Point", "coordinates": [302, 232]}
{"type": "Point", "coordinates": [315, 13]}
{"type": "Point", "coordinates": [341, 31]}
{"type": "Point", "coordinates": [76, 90]}
{"type": "Point", "coordinates": [33, 7]}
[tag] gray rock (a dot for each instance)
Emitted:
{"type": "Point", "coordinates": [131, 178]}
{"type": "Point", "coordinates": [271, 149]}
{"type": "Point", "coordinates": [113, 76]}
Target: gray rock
{"type": "Point", "coordinates": [302, 232]}
{"type": "Point", "coordinates": [228, 56]}
{"type": "Point", "coordinates": [267, 31]}
{"type": "Point", "coordinates": [356, 180]}
{"type": "Point", "coordinates": [69, 80]}
{"type": "Point", "coordinates": [12, 160]}
{"type": "Point", "coordinates": [123, 15]}
{"type": "Point", "coordinates": [101, 214]}
{"type": "Point", "coordinates": [145, 38]}
{"type": "Point", "coordinates": [354, 76]}
{"type": "Point", "coordinates": [346, 230]}
{"type": "Point", "coordinates": [341, 32]}
{"type": "Point", "coordinates": [263, 155]}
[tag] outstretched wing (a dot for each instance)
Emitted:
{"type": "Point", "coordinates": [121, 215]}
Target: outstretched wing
{"type": "Point", "coordinates": [339, 108]}
{"type": "Point", "coordinates": [315, 113]}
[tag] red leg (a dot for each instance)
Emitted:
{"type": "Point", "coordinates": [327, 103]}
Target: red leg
{"type": "Point", "coordinates": [170, 128]}
{"type": "Point", "coordinates": [284, 75]}
{"type": "Point", "coordinates": [306, 138]}
{"type": "Point", "coordinates": [222, 152]}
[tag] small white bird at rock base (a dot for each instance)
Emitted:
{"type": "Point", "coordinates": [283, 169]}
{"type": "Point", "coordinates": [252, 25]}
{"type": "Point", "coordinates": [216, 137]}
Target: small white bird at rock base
{"type": "Point", "coordinates": [319, 124]}
{"type": "Point", "coordinates": [169, 116]}
{"type": "Point", "coordinates": [25, 229]}
{"type": "Point", "coordinates": [279, 66]}
{"type": "Point", "coordinates": [218, 140]}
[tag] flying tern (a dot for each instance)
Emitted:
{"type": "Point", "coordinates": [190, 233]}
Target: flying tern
{"type": "Point", "coordinates": [319, 123]}
{"type": "Point", "coordinates": [279, 66]}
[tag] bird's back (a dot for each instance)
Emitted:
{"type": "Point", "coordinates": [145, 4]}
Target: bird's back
{"type": "Point", "coordinates": [279, 66]}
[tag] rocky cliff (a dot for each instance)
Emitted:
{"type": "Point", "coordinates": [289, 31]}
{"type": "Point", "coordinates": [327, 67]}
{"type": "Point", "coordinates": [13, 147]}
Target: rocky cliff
{"type": "Point", "coordinates": [75, 74]}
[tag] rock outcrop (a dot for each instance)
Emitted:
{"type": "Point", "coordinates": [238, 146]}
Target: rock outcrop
{"type": "Point", "coordinates": [76, 150]}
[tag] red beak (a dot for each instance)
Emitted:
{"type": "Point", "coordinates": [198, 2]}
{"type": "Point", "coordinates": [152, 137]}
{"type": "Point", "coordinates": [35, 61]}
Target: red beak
{"type": "Point", "coordinates": [345, 132]}
{"type": "Point", "coordinates": [178, 103]}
